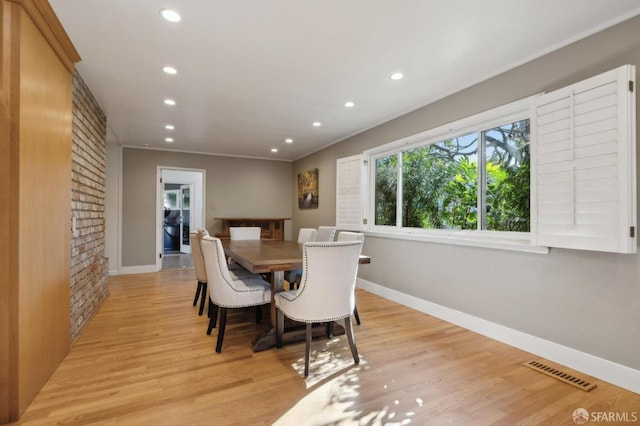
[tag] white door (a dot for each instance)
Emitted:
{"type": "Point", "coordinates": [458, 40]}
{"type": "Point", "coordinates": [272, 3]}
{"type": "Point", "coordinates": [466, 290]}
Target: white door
{"type": "Point", "coordinates": [185, 217]}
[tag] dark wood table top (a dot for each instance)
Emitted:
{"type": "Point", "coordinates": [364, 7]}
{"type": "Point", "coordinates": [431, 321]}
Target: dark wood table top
{"type": "Point", "coordinates": [260, 256]}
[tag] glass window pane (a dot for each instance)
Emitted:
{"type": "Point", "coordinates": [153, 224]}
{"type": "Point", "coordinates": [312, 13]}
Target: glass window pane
{"type": "Point", "coordinates": [507, 177]}
{"type": "Point", "coordinates": [386, 190]}
{"type": "Point", "coordinates": [170, 200]}
{"type": "Point", "coordinates": [440, 184]}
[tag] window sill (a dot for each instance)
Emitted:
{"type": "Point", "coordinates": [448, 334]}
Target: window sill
{"type": "Point", "coordinates": [468, 239]}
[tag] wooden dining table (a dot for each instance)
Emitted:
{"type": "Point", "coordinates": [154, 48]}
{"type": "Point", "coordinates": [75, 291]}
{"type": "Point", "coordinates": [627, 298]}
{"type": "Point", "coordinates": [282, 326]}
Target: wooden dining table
{"type": "Point", "coordinates": [273, 257]}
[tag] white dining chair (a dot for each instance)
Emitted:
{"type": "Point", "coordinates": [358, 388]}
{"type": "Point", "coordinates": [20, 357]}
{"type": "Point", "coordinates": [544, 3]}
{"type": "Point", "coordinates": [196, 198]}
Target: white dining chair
{"type": "Point", "coordinates": [195, 238]}
{"type": "Point", "coordinates": [325, 233]}
{"type": "Point", "coordinates": [352, 236]}
{"type": "Point", "coordinates": [226, 292]}
{"type": "Point", "coordinates": [237, 233]}
{"type": "Point", "coordinates": [201, 275]}
{"type": "Point", "coordinates": [326, 292]}
{"type": "Point", "coordinates": [305, 235]}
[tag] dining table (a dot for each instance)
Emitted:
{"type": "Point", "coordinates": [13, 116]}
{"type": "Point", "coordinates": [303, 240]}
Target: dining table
{"type": "Point", "coordinates": [272, 257]}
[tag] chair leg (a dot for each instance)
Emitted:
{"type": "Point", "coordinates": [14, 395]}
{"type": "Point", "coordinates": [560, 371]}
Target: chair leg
{"type": "Point", "coordinates": [355, 314]}
{"type": "Point", "coordinates": [348, 329]}
{"type": "Point", "coordinates": [223, 323]}
{"type": "Point", "coordinates": [296, 283]}
{"type": "Point", "coordinates": [279, 328]}
{"type": "Point", "coordinates": [213, 316]}
{"type": "Point", "coordinates": [307, 350]}
{"type": "Point", "coordinates": [202, 299]}
{"type": "Point", "coordinates": [198, 289]}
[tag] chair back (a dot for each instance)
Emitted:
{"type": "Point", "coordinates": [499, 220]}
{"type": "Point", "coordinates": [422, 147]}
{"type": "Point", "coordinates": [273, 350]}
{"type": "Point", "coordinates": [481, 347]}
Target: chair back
{"type": "Point", "coordinates": [325, 233]}
{"type": "Point", "coordinates": [196, 254]}
{"type": "Point", "coordinates": [327, 288]}
{"type": "Point", "coordinates": [306, 235]}
{"type": "Point", "coordinates": [238, 233]}
{"type": "Point", "coordinates": [224, 291]}
{"type": "Point", "coordinates": [350, 236]}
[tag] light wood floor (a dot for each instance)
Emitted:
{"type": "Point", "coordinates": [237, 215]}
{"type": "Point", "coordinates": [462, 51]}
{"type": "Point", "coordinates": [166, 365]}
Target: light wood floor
{"type": "Point", "coordinates": [145, 359]}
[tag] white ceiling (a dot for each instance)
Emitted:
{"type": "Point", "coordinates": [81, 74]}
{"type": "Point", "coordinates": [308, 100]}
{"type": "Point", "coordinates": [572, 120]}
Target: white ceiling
{"type": "Point", "coordinates": [254, 72]}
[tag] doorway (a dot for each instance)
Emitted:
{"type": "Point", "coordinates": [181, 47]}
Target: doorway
{"type": "Point", "coordinates": [180, 211]}
{"type": "Point", "coordinates": [177, 218]}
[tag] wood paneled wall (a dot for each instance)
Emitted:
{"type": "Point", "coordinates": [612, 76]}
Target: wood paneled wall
{"type": "Point", "coordinates": [5, 206]}
{"type": "Point", "coordinates": [37, 67]}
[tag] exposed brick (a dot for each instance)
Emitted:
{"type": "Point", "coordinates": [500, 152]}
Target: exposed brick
{"type": "Point", "coordinates": [89, 267]}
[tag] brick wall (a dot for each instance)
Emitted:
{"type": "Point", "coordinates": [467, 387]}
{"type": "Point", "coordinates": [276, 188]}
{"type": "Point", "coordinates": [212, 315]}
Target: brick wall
{"type": "Point", "coordinates": [89, 268]}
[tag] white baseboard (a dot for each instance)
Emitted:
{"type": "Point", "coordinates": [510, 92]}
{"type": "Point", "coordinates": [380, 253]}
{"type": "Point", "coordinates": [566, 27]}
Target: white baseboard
{"type": "Point", "coordinates": [142, 269]}
{"type": "Point", "coordinates": [616, 374]}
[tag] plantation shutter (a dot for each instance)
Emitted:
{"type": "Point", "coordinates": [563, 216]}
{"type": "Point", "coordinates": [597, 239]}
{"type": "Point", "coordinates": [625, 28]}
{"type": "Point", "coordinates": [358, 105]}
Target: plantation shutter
{"type": "Point", "coordinates": [583, 171]}
{"type": "Point", "coordinates": [349, 193]}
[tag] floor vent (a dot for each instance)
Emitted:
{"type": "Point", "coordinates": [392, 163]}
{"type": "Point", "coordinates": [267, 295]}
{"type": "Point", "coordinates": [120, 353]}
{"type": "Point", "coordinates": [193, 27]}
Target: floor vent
{"type": "Point", "coordinates": [585, 385]}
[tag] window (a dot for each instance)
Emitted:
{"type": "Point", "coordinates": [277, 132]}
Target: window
{"type": "Point", "coordinates": [553, 170]}
{"type": "Point", "coordinates": [472, 179]}
{"type": "Point", "coordinates": [386, 189]}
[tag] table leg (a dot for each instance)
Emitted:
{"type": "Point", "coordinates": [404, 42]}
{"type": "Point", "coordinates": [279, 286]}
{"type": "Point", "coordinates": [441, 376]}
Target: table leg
{"type": "Point", "coordinates": [267, 339]}
{"type": "Point", "coordinates": [277, 285]}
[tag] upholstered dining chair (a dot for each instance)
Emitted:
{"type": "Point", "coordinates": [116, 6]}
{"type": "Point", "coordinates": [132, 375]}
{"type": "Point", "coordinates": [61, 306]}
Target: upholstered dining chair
{"type": "Point", "coordinates": [325, 233]}
{"type": "Point", "coordinates": [195, 237]}
{"type": "Point", "coordinates": [326, 291]}
{"type": "Point", "coordinates": [352, 236]}
{"type": "Point", "coordinates": [238, 233]}
{"type": "Point", "coordinates": [201, 274]}
{"type": "Point", "coordinates": [305, 235]}
{"type": "Point", "coordinates": [226, 292]}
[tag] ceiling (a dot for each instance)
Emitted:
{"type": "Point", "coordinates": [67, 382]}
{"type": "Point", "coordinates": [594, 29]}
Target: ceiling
{"type": "Point", "coordinates": [253, 73]}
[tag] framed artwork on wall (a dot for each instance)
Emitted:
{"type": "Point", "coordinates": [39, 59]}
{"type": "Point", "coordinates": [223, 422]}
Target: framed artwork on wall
{"type": "Point", "coordinates": [308, 189]}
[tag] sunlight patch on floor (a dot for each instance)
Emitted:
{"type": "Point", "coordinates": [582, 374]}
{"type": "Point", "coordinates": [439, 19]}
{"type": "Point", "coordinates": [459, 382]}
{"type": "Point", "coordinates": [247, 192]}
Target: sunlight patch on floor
{"type": "Point", "coordinates": [337, 388]}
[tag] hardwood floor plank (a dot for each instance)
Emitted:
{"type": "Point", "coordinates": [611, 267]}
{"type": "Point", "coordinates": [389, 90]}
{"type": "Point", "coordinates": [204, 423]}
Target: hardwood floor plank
{"type": "Point", "coordinates": [145, 359]}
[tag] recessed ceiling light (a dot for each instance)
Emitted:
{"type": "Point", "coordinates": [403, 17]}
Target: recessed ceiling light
{"type": "Point", "coordinates": [349, 104]}
{"type": "Point", "coordinates": [169, 102]}
{"type": "Point", "coordinates": [274, 149]}
{"type": "Point", "coordinates": [169, 127]}
{"type": "Point", "coordinates": [168, 140]}
{"type": "Point", "coordinates": [397, 76]}
{"type": "Point", "coordinates": [288, 140]}
{"type": "Point", "coordinates": [317, 124]}
{"type": "Point", "coordinates": [170, 70]}
{"type": "Point", "coordinates": [170, 15]}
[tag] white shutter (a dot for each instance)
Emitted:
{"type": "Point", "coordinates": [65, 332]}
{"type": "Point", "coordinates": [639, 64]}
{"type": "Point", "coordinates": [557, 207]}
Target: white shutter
{"type": "Point", "coordinates": [349, 193]}
{"type": "Point", "coordinates": [583, 171]}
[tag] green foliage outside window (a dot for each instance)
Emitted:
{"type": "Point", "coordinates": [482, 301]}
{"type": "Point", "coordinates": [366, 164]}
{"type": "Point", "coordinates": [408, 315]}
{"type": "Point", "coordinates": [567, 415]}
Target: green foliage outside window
{"type": "Point", "coordinates": [386, 188]}
{"type": "Point", "coordinates": [440, 183]}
